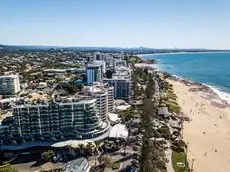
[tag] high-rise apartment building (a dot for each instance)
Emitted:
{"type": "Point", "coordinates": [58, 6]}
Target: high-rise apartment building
{"type": "Point", "coordinates": [55, 121]}
{"type": "Point", "coordinates": [122, 87]}
{"type": "Point", "coordinates": [9, 84]}
{"type": "Point", "coordinates": [105, 98]}
{"type": "Point", "coordinates": [98, 56]}
{"type": "Point", "coordinates": [102, 65]}
{"type": "Point", "coordinates": [94, 74]}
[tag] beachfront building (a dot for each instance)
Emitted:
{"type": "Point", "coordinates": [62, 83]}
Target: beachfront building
{"type": "Point", "coordinates": [121, 81]}
{"type": "Point", "coordinates": [9, 85]}
{"type": "Point", "coordinates": [94, 74]}
{"type": "Point", "coordinates": [110, 91]}
{"type": "Point", "coordinates": [122, 87]}
{"type": "Point", "coordinates": [55, 121]}
{"type": "Point", "coordinates": [105, 98]}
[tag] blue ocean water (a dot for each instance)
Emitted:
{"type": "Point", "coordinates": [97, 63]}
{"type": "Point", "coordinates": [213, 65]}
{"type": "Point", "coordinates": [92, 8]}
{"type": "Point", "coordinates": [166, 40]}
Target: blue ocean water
{"type": "Point", "coordinates": [209, 68]}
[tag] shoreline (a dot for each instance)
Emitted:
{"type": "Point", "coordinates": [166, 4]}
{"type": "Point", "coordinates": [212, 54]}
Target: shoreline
{"type": "Point", "coordinates": [223, 95]}
{"type": "Point", "coordinates": [168, 53]}
{"type": "Point", "coordinates": [207, 134]}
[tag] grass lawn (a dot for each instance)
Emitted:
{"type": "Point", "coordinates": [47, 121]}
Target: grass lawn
{"type": "Point", "coordinates": [179, 157]}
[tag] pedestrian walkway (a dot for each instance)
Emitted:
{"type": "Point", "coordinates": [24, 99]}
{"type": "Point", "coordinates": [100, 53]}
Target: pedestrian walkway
{"type": "Point", "coordinates": [168, 154]}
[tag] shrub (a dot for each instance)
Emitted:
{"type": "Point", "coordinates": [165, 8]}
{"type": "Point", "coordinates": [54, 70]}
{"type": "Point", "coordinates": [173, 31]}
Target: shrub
{"type": "Point", "coordinates": [115, 166]}
{"type": "Point", "coordinates": [179, 146]}
{"type": "Point", "coordinates": [46, 156]}
{"type": "Point", "coordinates": [29, 96]}
{"type": "Point", "coordinates": [8, 169]}
{"type": "Point", "coordinates": [164, 132]}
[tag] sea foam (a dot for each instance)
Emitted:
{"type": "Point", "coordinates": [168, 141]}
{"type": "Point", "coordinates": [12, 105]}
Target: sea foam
{"type": "Point", "coordinates": [222, 95]}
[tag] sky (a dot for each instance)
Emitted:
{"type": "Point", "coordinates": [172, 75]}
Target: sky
{"type": "Point", "coordinates": [116, 23]}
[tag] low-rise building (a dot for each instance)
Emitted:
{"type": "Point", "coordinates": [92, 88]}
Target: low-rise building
{"type": "Point", "coordinates": [163, 111]}
{"type": "Point", "coordinates": [77, 165]}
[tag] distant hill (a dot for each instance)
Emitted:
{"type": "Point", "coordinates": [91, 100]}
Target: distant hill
{"type": "Point", "coordinates": [25, 47]}
{"type": "Point", "coordinates": [138, 50]}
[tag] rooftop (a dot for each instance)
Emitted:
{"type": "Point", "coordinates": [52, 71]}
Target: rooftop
{"type": "Point", "coordinates": [9, 76]}
{"type": "Point", "coordinates": [113, 117]}
{"type": "Point", "coordinates": [119, 131]}
{"type": "Point", "coordinates": [78, 165]}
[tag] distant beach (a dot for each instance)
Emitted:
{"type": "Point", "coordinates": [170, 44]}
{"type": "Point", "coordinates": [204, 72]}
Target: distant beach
{"type": "Point", "coordinates": [168, 53]}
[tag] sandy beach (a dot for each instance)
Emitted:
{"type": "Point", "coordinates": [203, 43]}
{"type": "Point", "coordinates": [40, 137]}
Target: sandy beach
{"type": "Point", "coordinates": [208, 132]}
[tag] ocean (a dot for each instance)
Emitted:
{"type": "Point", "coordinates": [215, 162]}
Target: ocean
{"type": "Point", "coordinates": [212, 69]}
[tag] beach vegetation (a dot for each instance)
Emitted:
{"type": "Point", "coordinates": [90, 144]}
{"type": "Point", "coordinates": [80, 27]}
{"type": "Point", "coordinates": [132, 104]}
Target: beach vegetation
{"type": "Point", "coordinates": [170, 98]}
{"type": "Point", "coordinates": [179, 146]}
{"type": "Point", "coordinates": [132, 59]}
{"type": "Point", "coordinates": [171, 101]}
{"type": "Point", "coordinates": [174, 108]}
{"type": "Point", "coordinates": [164, 132]}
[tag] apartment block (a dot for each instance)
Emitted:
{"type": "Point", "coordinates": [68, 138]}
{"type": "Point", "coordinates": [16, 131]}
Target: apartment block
{"type": "Point", "coordinates": [55, 121]}
{"type": "Point", "coordinates": [9, 84]}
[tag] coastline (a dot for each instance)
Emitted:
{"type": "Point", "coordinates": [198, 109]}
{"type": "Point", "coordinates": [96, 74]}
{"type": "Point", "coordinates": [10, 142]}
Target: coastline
{"type": "Point", "coordinates": [207, 52]}
{"type": "Point", "coordinates": [224, 96]}
{"type": "Point", "coordinates": [207, 134]}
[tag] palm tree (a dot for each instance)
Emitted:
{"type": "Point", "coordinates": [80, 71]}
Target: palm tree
{"type": "Point", "coordinates": [81, 148]}
{"type": "Point", "coordinates": [89, 147]}
{"type": "Point", "coordinates": [96, 151]}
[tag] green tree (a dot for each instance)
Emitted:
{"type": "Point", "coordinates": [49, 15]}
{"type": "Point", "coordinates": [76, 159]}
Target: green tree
{"type": "Point", "coordinates": [90, 148]}
{"type": "Point", "coordinates": [104, 160]}
{"type": "Point", "coordinates": [71, 87]}
{"type": "Point", "coordinates": [82, 148]}
{"type": "Point", "coordinates": [46, 156]}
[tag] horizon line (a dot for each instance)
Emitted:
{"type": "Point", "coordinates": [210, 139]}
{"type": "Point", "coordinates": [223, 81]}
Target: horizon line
{"type": "Point", "coordinates": [137, 47]}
